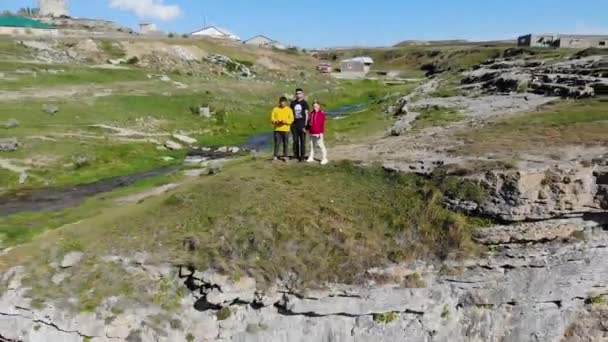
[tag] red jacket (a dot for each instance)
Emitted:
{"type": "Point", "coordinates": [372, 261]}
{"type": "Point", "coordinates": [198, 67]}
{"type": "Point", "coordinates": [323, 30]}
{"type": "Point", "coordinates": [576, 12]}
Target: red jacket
{"type": "Point", "coordinates": [317, 122]}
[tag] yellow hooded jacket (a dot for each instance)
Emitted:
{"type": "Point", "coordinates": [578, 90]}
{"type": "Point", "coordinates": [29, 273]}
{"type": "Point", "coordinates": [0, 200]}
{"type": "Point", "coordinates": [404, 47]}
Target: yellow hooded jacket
{"type": "Point", "coordinates": [282, 118]}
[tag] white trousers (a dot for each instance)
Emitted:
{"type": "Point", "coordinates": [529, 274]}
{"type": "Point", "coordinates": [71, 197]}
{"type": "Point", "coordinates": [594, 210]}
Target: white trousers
{"type": "Point", "coordinates": [316, 140]}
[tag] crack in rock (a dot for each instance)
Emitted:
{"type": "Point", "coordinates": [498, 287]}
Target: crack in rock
{"type": "Point", "coordinates": [49, 324]}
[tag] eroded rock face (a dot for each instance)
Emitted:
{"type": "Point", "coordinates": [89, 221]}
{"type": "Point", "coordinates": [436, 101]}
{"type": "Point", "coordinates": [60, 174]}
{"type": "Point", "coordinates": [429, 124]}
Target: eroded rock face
{"type": "Point", "coordinates": [520, 195]}
{"type": "Point", "coordinates": [549, 291]}
{"type": "Point", "coordinates": [574, 78]}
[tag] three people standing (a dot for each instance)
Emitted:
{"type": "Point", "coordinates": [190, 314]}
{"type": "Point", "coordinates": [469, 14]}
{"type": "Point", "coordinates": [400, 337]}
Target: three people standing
{"type": "Point", "coordinates": [298, 119]}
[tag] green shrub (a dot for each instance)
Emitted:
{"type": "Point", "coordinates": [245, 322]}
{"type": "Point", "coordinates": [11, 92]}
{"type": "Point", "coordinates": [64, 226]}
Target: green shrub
{"type": "Point", "coordinates": [386, 317]}
{"type": "Point", "coordinates": [133, 60]}
{"type": "Point", "coordinates": [414, 281]}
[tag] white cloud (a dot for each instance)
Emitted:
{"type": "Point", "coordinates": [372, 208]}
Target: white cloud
{"type": "Point", "coordinates": [148, 9]}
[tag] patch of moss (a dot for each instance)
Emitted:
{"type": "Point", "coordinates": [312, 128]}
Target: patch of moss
{"type": "Point", "coordinates": [223, 314]}
{"type": "Point", "coordinates": [414, 281]}
{"type": "Point", "coordinates": [597, 300]}
{"type": "Point", "coordinates": [386, 317]}
{"type": "Point", "coordinates": [445, 312]}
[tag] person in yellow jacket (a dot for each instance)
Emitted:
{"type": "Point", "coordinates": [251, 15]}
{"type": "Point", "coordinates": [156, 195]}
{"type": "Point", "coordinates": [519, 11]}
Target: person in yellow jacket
{"type": "Point", "coordinates": [282, 118]}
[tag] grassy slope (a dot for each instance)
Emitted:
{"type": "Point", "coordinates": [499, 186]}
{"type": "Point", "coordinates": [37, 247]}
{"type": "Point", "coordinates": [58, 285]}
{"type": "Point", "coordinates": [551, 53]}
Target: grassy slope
{"type": "Point", "coordinates": [23, 227]}
{"type": "Point", "coordinates": [265, 219]}
{"type": "Point", "coordinates": [247, 114]}
{"type": "Point", "coordinates": [583, 122]}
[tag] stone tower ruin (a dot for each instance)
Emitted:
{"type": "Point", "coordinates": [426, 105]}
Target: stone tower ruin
{"type": "Point", "coordinates": [53, 8]}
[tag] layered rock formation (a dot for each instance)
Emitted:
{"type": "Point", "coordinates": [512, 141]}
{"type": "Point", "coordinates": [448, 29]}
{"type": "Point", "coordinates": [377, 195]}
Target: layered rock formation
{"type": "Point", "coordinates": [574, 78]}
{"type": "Point", "coordinates": [520, 291]}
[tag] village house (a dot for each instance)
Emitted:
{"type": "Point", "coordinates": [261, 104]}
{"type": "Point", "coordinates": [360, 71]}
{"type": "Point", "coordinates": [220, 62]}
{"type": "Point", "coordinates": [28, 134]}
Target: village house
{"type": "Point", "coordinates": [148, 28]}
{"type": "Point", "coordinates": [357, 65]}
{"type": "Point", "coordinates": [21, 26]}
{"type": "Point", "coordinates": [259, 40]}
{"type": "Point", "coordinates": [215, 32]}
{"type": "Point", "coordinates": [563, 41]}
{"type": "Point", "coordinates": [263, 41]}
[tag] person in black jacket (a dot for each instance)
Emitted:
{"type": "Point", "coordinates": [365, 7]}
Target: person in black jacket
{"type": "Point", "coordinates": [298, 127]}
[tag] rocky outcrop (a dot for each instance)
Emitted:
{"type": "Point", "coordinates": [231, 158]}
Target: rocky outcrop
{"type": "Point", "coordinates": [519, 292]}
{"type": "Point", "coordinates": [9, 145]}
{"type": "Point", "coordinates": [574, 78]}
{"type": "Point", "coordinates": [231, 66]}
{"type": "Point", "coordinates": [534, 232]}
{"type": "Point", "coordinates": [527, 195]}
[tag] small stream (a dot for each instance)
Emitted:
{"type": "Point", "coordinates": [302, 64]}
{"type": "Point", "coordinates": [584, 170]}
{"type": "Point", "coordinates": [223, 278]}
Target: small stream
{"type": "Point", "coordinates": [58, 198]}
{"type": "Point", "coordinates": [263, 141]}
{"type": "Point", "coordinates": [70, 196]}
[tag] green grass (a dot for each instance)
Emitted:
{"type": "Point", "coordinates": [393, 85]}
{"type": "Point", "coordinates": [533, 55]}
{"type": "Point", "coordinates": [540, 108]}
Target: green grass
{"type": "Point", "coordinates": [597, 300]}
{"type": "Point", "coordinates": [23, 227]}
{"type": "Point", "coordinates": [580, 122]}
{"type": "Point", "coordinates": [361, 218]}
{"type": "Point", "coordinates": [386, 318]}
{"type": "Point", "coordinates": [112, 49]}
{"type": "Point", "coordinates": [10, 49]}
{"type": "Point", "coordinates": [8, 179]}
{"type": "Point", "coordinates": [246, 114]}
{"type": "Point", "coordinates": [71, 76]}
{"type": "Point", "coordinates": [437, 117]}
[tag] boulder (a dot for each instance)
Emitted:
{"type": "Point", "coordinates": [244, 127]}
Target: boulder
{"type": "Point", "coordinates": [525, 195]}
{"type": "Point", "coordinates": [71, 259]}
{"type": "Point", "coordinates": [173, 146]}
{"type": "Point", "coordinates": [404, 123]}
{"type": "Point", "coordinates": [9, 145]}
{"type": "Point", "coordinates": [11, 123]}
{"type": "Point", "coordinates": [184, 139]}
{"type": "Point", "coordinates": [50, 109]}
{"type": "Point", "coordinates": [204, 112]}
{"type": "Point", "coordinates": [117, 61]}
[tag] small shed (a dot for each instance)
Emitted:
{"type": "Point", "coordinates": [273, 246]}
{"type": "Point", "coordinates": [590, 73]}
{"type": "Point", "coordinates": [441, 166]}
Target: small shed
{"type": "Point", "coordinates": [215, 32]}
{"type": "Point", "coordinates": [357, 65]}
{"type": "Point", "coordinates": [20, 26]}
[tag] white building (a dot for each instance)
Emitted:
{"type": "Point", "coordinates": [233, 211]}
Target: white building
{"type": "Point", "coordinates": [263, 41]}
{"type": "Point", "coordinates": [54, 8]}
{"type": "Point", "coordinates": [357, 65]}
{"type": "Point", "coordinates": [215, 32]}
{"type": "Point", "coordinates": [259, 40]}
{"type": "Point", "coordinates": [147, 28]}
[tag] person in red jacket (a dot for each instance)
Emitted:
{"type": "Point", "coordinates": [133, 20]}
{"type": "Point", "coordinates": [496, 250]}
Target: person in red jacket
{"type": "Point", "coordinates": [317, 131]}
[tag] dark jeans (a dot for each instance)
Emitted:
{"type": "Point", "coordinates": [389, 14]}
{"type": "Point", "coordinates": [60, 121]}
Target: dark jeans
{"type": "Point", "coordinates": [280, 138]}
{"type": "Point", "coordinates": [299, 141]}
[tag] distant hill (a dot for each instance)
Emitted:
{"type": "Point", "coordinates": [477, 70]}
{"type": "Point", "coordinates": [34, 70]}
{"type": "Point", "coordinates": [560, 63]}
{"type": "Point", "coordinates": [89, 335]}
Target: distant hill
{"type": "Point", "coordinates": [407, 43]}
{"type": "Point", "coordinates": [430, 42]}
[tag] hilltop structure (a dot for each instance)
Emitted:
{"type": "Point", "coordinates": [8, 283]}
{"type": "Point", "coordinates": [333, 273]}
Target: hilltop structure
{"type": "Point", "coordinates": [54, 8]}
{"type": "Point", "coordinates": [263, 41]}
{"type": "Point", "coordinates": [563, 41]}
{"type": "Point", "coordinates": [148, 28]}
{"type": "Point", "coordinates": [215, 32]}
{"type": "Point", "coordinates": [357, 65]}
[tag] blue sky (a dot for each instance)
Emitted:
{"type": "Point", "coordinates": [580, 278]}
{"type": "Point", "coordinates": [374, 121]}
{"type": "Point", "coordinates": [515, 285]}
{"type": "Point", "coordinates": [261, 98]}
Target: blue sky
{"type": "Point", "coordinates": [325, 23]}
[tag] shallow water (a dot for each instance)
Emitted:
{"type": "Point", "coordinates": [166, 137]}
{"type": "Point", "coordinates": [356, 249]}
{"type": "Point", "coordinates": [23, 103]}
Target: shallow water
{"type": "Point", "coordinates": [263, 141]}
{"type": "Point", "coordinates": [57, 198]}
